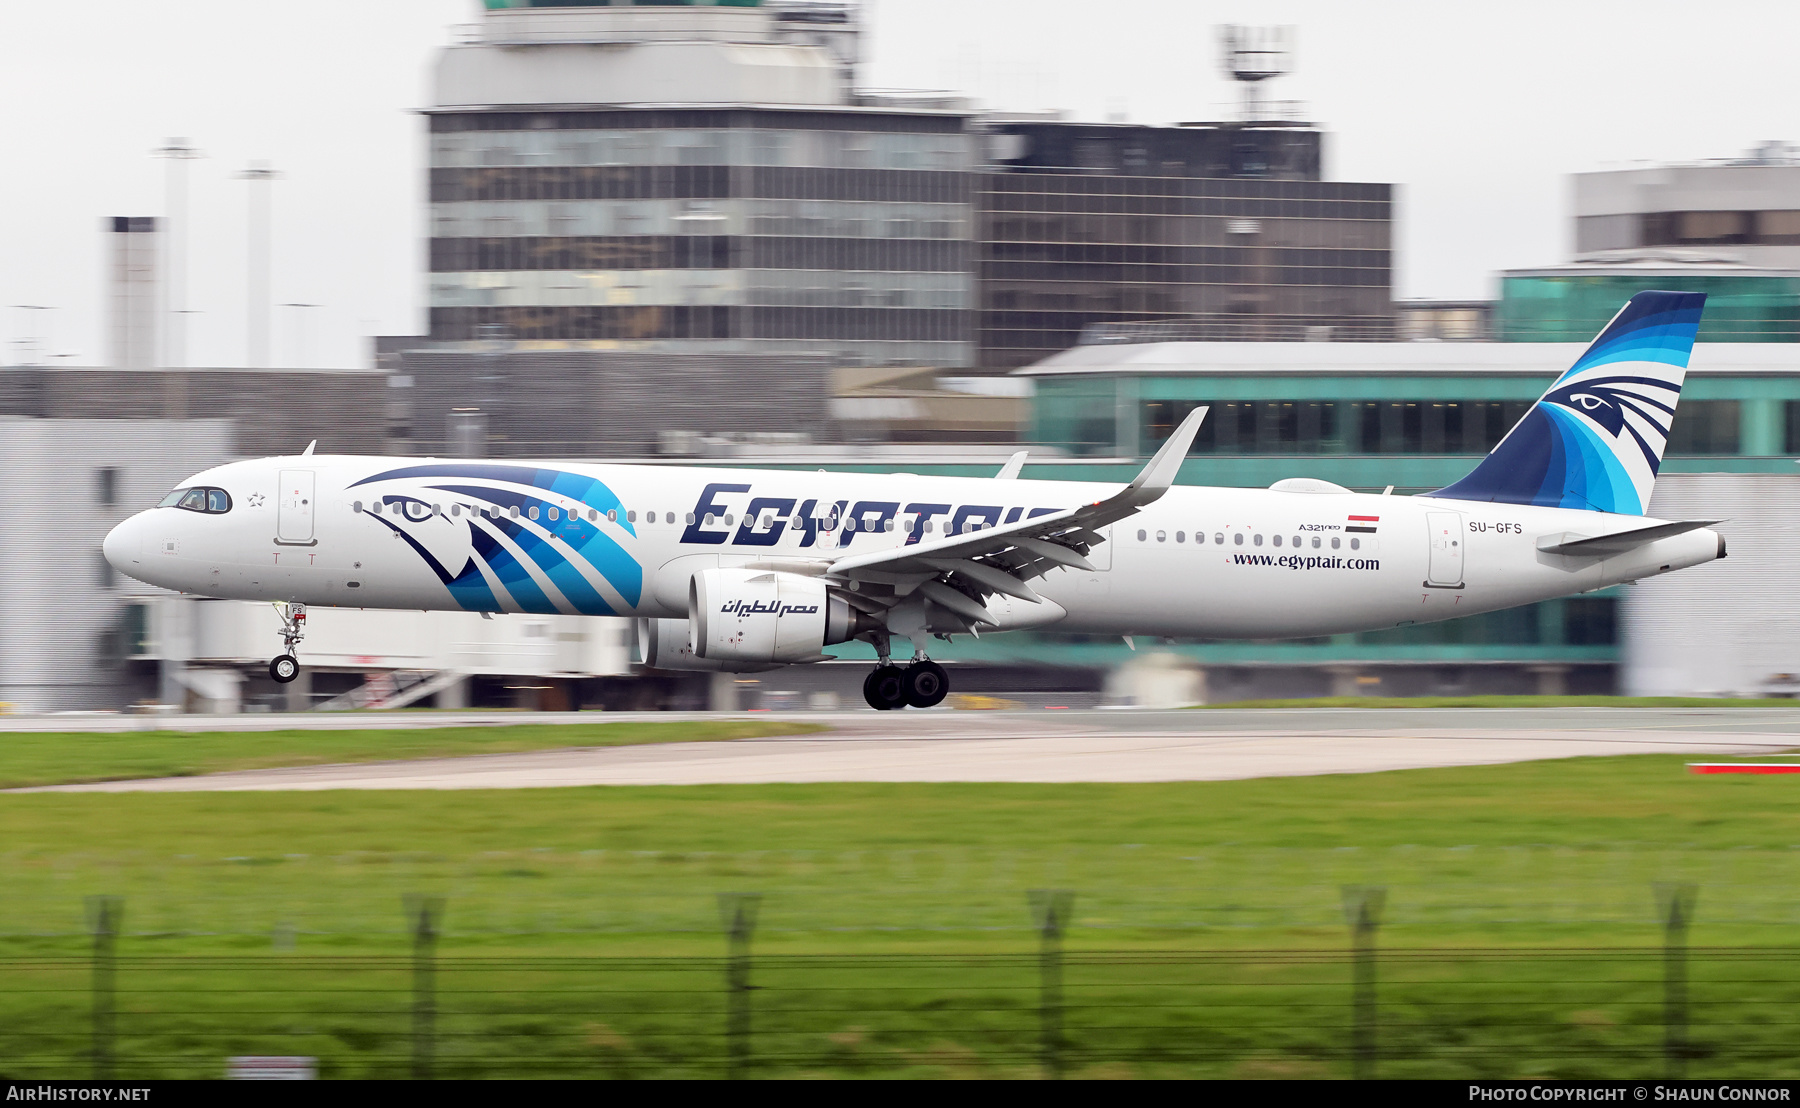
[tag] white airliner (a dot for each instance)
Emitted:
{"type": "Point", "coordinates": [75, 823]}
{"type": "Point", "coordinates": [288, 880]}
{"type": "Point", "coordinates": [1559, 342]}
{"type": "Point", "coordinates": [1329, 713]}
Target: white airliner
{"type": "Point", "coordinates": [745, 570]}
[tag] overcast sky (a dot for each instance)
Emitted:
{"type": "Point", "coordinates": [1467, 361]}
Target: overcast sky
{"type": "Point", "coordinates": [1477, 114]}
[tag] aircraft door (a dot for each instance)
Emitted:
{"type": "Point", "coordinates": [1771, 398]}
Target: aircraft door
{"type": "Point", "coordinates": [295, 510]}
{"type": "Point", "coordinates": [1447, 546]}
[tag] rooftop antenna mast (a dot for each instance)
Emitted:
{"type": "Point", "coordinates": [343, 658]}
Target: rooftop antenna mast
{"type": "Point", "coordinates": [1252, 55]}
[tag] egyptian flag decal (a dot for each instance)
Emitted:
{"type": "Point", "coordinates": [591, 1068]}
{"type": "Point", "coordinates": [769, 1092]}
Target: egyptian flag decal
{"type": "Point", "coordinates": [1362, 524]}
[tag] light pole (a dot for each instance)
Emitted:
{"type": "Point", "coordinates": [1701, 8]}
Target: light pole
{"type": "Point", "coordinates": [177, 152]}
{"type": "Point", "coordinates": [256, 284]}
{"type": "Point", "coordinates": [300, 332]}
{"type": "Point", "coordinates": [30, 345]}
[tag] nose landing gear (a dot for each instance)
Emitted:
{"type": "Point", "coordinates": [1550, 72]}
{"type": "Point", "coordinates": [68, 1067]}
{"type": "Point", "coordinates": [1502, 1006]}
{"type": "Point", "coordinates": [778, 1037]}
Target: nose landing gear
{"type": "Point", "coordinates": [285, 667]}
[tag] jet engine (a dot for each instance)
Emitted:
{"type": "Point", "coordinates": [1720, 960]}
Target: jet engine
{"type": "Point", "coordinates": [757, 617]}
{"type": "Point", "coordinates": [664, 645]}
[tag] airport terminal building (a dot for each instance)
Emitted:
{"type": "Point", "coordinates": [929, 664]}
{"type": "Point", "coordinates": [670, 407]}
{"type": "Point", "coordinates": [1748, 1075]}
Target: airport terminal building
{"type": "Point", "coordinates": [661, 225]}
{"type": "Point", "coordinates": [1418, 416]}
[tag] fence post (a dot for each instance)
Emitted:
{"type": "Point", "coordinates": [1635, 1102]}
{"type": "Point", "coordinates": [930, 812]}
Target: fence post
{"type": "Point", "coordinates": [1050, 910]}
{"type": "Point", "coordinates": [1676, 902]}
{"type": "Point", "coordinates": [1362, 908]}
{"type": "Point", "coordinates": [104, 916]}
{"type": "Point", "coordinates": [737, 911]}
{"type": "Point", "coordinates": [424, 916]}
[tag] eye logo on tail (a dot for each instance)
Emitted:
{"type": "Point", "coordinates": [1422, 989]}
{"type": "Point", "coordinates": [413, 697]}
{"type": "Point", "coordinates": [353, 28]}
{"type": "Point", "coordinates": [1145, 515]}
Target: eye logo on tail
{"type": "Point", "coordinates": [1596, 439]}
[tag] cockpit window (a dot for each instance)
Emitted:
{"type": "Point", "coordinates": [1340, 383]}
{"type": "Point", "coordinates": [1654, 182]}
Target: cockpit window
{"type": "Point", "coordinates": [214, 502]}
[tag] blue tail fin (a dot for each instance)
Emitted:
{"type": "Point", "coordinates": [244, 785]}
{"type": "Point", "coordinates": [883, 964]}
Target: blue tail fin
{"type": "Point", "coordinates": [1596, 439]}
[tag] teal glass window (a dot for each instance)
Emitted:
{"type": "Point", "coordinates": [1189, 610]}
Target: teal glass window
{"type": "Point", "coordinates": [1575, 307]}
{"type": "Point", "coordinates": [1705, 427]}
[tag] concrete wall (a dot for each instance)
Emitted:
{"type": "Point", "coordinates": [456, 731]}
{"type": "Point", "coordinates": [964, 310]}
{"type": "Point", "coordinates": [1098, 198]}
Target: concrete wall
{"type": "Point", "coordinates": [1730, 627]}
{"type": "Point", "coordinates": [243, 633]}
{"type": "Point", "coordinates": [274, 411]}
{"type": "Point", "coordinates": [60, 606]}
{"type": "Point", "coordinates": [610, 404]}
{"type": "Point", "coordinates": [636, 73]}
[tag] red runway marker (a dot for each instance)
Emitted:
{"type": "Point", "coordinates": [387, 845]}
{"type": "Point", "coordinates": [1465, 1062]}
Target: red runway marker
{"type": "Point", "coordinates": [1744, 767]}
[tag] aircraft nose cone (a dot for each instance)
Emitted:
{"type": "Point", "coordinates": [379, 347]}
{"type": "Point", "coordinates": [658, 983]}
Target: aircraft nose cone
{"type": "Point", "coordinates": [123, 545]}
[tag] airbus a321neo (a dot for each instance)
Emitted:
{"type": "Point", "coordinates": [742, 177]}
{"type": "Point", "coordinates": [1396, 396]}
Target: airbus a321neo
{"type": "Point", "coordinates": [745, 570]}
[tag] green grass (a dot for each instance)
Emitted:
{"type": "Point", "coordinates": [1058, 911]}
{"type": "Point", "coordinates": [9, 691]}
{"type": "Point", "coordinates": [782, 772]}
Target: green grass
{"type": "Point", "coordinates": [582, 934]}
{"type": "Point", "coordinates": [61, 758]}
{"type": "Point", "coordinates": [1515, 702]}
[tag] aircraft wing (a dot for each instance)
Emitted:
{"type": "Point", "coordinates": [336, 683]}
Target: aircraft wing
{"type": "Point", "coordinates": [959, 572]}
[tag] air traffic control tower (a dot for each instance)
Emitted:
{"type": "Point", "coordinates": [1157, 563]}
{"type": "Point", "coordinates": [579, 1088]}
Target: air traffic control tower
{"type": "Point", "coordinates": [693, 179]}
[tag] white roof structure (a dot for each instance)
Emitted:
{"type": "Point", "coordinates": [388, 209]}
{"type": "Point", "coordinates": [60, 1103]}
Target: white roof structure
{"type": "Point", "coordinates": [1239, 359]}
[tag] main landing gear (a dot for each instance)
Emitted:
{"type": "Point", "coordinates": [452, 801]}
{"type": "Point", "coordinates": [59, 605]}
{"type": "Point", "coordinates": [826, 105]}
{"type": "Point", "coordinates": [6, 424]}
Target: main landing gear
{"type": "Point", "coordinates": [285, 667]}
{"type": "Point", "coordinates": [923, 684]}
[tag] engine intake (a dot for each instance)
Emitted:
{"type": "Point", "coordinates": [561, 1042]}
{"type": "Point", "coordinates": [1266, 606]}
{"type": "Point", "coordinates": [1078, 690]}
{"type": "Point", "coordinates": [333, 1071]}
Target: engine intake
{"type": "Point", "coordinates": [759, 616]}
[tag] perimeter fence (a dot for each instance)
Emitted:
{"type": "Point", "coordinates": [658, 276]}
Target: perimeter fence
{"type": "Point", "coordinates": [1356, 1008]}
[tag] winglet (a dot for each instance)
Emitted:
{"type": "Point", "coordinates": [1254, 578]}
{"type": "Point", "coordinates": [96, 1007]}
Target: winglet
{"type": "Point", "coordinates": [1010, 471]}
{"type": "Point", "coordinates": [309, 448]}
{"type": "Point", "coordinates": [1160, 473]}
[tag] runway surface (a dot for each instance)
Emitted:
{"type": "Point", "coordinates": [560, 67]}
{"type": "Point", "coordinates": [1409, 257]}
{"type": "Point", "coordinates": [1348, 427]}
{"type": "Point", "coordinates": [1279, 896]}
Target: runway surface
{"type": "Point", "coordinates": [1025, 746]}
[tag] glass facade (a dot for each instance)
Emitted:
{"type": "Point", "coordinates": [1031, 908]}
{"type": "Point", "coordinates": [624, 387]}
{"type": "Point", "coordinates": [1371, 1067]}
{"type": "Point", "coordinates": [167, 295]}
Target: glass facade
{"type": "Point", "coordinates": [1062, 252]}
{"type": "Point", "coordinates": [1573, 307]}
{"type": "Point", "coordinates": [1400, 426]}
{"type": "Point", "coordinates": [1452, 417]}
{"type": "Point", "coordinates": [838, 233]}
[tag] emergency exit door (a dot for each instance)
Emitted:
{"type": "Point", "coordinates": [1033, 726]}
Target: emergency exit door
{"type": "Point", "coordinates": [295, 509]}
{"type": "Point", "coordinates": [1447, 544]}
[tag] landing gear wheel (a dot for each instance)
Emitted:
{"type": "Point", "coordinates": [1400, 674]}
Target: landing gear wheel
{"type": "Point", "coordinates": [885, 689]}
{"type": "Point", "coordinates": [284, 668]}
{"type": "Point", "coordinates": [926, 683]}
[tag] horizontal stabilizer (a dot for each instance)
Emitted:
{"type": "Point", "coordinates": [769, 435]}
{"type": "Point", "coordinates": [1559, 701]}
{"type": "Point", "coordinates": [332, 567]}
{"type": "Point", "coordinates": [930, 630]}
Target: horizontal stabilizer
{"type": "Point", "coordinates": [1605, 546]}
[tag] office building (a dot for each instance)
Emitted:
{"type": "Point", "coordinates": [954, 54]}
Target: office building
{"type": "Point", "coordinates": [1212, 231]}
{"type": "Point", "coordinates": [1745, 210]}
{"type": "Point", "coordinates": [692, 180]}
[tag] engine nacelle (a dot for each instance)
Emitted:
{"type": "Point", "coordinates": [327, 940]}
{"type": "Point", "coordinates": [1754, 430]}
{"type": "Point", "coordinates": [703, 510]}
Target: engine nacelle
{"type": "Point", "coordinates": [759, 616]}
{"type": "Point", "coordinates": [664, 645]}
